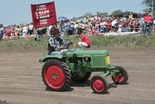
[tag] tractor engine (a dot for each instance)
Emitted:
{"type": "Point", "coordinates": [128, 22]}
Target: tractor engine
{"type": "Point", "coordinates": [79, 64]}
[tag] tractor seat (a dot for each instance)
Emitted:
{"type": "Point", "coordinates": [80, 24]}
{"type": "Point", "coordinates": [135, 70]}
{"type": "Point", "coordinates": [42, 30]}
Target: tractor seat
{"type": "Point", "coordinates": [61, 52]}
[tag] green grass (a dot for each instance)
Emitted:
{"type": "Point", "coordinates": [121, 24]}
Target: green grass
{"type": "Point", "coordinates": [128, 41]}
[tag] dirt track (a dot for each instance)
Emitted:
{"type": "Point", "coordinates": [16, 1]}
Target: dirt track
{"type": "Point", "coordinates": [21, 82]}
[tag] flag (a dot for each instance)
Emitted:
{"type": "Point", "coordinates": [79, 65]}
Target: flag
{"type": "Point", "coordinates": [43, 14]}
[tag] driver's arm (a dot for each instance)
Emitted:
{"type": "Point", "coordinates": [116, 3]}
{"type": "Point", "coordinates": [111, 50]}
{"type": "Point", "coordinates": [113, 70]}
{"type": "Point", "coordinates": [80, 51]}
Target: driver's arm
{"type": "Point", "coordinates": [62, 43]}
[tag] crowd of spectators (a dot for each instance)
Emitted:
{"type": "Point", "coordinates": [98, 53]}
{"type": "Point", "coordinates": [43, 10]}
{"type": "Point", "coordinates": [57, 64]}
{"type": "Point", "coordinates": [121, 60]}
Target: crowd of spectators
{"type": "Point", "coordinates": [92, 25]}
{"type": "Point", "coordinates": [99, 25]}
{"type": "Point", "coordinates": [23, 30]}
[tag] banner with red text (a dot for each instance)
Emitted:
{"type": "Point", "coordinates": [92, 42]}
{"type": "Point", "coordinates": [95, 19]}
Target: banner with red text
{"type": "Point", "coordinates": [43, 14]}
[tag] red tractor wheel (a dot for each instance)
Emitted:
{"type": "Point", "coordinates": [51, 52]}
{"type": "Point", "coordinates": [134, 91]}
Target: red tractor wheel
{"type": "Point", "coordinates": [99, 84]}
{"type": "Point", "coordinates": [120, 77]}
{"type": "Point", "coordinates": [82, 78]}
{"type": "Point", "coordinates": [56, 75]}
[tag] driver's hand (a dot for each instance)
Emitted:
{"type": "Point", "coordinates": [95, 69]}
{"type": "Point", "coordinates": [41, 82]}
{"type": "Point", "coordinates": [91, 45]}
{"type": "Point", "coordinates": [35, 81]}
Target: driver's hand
{"type": "Point", "coordinates": [61, 47]}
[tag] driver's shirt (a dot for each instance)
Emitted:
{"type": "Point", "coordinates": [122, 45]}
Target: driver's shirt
{"type": "Point", "coordinates": [56, 43]}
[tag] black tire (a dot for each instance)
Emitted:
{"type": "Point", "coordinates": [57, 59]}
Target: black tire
{"type": "Point", "coordinates": [82, 78]}
{"type": "Point", "coordinates": [120, 79]}
{"type": "Point", "coordinates": [56, 75]}
{"type": "Point", "coordinates": [99, 84]}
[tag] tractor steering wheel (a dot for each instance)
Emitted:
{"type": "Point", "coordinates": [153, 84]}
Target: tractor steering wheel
{"type": "Point", "coordinates": [67, 45]}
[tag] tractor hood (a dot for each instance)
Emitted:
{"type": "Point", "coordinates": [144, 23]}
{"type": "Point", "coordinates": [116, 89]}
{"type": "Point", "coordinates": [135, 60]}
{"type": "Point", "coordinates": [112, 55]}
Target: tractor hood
{"type": "Point", "coordinates": [81, 52]}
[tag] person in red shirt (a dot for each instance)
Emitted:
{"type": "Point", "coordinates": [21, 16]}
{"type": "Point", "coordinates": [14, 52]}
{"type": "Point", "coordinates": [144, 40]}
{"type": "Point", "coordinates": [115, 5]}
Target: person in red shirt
{"type": "Point", "coordinates": [147, 20]}
{"type": "Point", "coordinates": [84, 41]}
{"type": "Point", "coordinates": [108, 26]}
{"type": "Point", "coordinates": [8, 31]}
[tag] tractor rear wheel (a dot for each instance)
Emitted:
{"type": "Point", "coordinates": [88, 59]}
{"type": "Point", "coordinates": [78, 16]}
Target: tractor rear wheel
{"type": "Point", "coordinates": [82, 78]}
{"type": "Point", "coordinates": [56, 75]}
{"type": "Point", "coordinates": [99, 84]}
{"type": "Point", "coordinates": [120, 77]}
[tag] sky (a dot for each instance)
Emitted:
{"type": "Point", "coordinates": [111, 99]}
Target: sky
{"type": "Point", "coordinates": [18, 11]}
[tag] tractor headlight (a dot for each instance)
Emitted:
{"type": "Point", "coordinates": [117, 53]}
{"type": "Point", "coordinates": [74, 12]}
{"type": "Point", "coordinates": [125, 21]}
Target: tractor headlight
{"type": "Point", "coordinates": [107, 60]}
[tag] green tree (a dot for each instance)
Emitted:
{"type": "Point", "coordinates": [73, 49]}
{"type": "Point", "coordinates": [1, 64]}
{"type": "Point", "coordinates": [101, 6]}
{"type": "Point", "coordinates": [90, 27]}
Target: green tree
{"type": "Point", "coordinates": [87, 14]}
{"type": "Point", "coordinates": [101, 13]}
{"type": "Point", "coordinates": [116, 12]}
{"type": "Point", "coordinates": [74, 18]}
{"type": "Point", "coordinates": [149, 5]}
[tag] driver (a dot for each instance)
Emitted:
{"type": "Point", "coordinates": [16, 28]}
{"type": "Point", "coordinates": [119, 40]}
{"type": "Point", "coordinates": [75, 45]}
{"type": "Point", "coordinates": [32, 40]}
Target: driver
{"type": "Point", "coordinates": [56, 44]}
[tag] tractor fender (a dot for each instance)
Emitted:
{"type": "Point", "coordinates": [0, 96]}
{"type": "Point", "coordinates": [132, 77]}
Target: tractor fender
{"type": "Point", "coordinates": [50, 57]}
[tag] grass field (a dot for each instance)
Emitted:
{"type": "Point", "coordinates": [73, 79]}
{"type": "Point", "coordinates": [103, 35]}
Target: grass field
{"type": "Point", "coordinates": [128, 41]}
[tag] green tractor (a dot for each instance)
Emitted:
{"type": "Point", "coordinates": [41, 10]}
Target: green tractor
{"type": "Point", "coordinates": [77, 65]}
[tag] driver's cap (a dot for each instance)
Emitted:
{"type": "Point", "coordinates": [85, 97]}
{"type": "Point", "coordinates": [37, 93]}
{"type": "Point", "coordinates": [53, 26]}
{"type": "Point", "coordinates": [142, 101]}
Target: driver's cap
{"type": "Point", "coordinates": [56, 31]}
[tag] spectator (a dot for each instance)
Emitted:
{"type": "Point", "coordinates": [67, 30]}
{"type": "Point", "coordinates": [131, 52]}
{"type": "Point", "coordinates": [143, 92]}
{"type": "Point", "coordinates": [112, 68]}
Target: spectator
{"type": "Point", "coordinates": [104, 25]}
{"type": "Point", "coordinates": [142, 24]}
{"type": "Point", "coordinates": [30, 29]}
{"type": "Point", "coordinates": [130, 15]}
{"type": "Point", "coordinates": [80, 27]}
{"type": "Point", "coordinates": [133, 24]}
{"type": "Point", "coordinates": [137, 26]}
{"type": "Point", "coordinates": [16, 31]}
{"type": "Point", "coordinates": [76, 25]}
{"type": "Point", "coordinates": [119, 28]}
{"type": "Point", "coordinates": [71, 28]}
{"type": "Point", "coordinates": [108, 25]}
{"type": "Point", "coordinates": [58, 26]}
{"type": "Point", "coordinates": [62, 27]}
{"type": "Point", "coordinates": [101, 28]}
{"type": "Point", "coordinates": [12, 30]}
{"type": "Point", "coordinates": [113, 25]}
{"type": "Point", "coordinates": [25, 30]}
{"type": "Point", "coordinates": [49, 30]}
{"type": "Point", "coordinates": [52, 30]}
{"type": "Point", "coordinates": [126, 23]}
{"type": "Point", "coordinates": [67, 25]}
{"type": "Point", "coordinates": [8, 32]}
{"type": "Point", "coordinates": [153, 25]}
{"type": "Point", "coordinates": [20, 30]}
{"type": "Point", "coordinates": [84, 41]}
{"type": "Point", "coordinates": [1, 31]}
{"type": "Point", "coordinates": [147, 20]}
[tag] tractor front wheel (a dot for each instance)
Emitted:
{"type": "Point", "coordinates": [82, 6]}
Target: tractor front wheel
{"type": "Point", "coordinates": [56, 75]}
{"type": "Point", "coordinates": [120, 77]}
{"type": "Point", "coordinates": [99, 84]}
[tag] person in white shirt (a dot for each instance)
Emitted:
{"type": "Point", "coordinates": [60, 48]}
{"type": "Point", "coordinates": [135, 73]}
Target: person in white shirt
{"type": "Point", "coordinates": [76, 25]}
{"type": "Point", "coordinates": [49, 30]}
{"type": "Point", "coordinates": [119, 28]}
{"type": "Point", "coordinates": [113, 24]}
{"type": "Point", "coordinates": [30, 29]}
{"type": "Point", "coordinates": [25, 30]}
